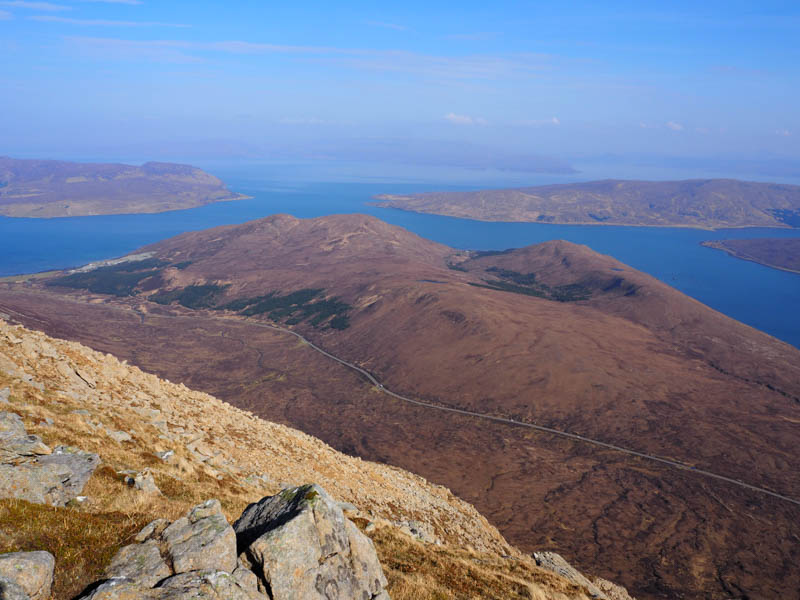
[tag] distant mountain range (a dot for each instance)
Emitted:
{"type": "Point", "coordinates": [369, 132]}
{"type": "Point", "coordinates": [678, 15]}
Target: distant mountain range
{"type": "Point", "coordinates": [48, 188]}
{"type": "Point", "coordinates": [702, 203]}
{"type": "Point", "coordinates": [554, 335]}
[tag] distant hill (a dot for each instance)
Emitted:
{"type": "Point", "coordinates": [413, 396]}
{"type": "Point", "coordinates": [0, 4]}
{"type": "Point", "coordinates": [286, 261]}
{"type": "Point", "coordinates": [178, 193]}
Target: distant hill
{"type": "Point", "coordinates": [553, 334]}
{"type": "Point", "coordinates": [49, 188]}
{"type": "Point", "coordinates": [778, 253]}
{"type": "Point", "coordinates": [702, 203]}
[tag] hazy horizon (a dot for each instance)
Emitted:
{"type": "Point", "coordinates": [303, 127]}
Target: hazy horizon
{"type": "Point", "coordinates": [694, 91]}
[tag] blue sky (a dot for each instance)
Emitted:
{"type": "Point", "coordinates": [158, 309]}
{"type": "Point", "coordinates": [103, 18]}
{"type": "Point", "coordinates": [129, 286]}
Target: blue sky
{"type": "Point", "coordinates": [503, 84]}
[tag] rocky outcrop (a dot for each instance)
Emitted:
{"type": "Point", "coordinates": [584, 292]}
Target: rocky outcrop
{"type": "Point", "coordinates": [27, 575]}
{"type": "Point", "coordinates": [294, 545]}
{"type": "Point", "coordinates": [30, 470]}
{"type": "Point", "coordinates": [556, 563]}
{"type": "Point", "coordinates": [301, 546]}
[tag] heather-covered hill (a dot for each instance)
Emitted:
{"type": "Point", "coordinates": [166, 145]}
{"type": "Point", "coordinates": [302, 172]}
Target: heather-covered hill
{"type": "Point", "coordinates": [704, 203]}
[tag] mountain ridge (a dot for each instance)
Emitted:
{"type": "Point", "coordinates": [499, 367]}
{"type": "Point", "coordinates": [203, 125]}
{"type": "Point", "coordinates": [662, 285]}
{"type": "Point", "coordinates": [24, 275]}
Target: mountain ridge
{"type": "Point", "coordinates": [697, 203]}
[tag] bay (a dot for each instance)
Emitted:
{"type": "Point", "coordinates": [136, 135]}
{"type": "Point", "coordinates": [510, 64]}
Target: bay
{"type": "Point", "coordinates": [765, 298]}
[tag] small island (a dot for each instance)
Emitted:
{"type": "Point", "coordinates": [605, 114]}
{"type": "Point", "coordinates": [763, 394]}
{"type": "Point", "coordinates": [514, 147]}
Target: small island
{"type": "Point", "coordinates": [700, 203]}
{"type": "Point", "coordinates": [778, 253]}
{"type": "Point", "coordinates": [50, 188]}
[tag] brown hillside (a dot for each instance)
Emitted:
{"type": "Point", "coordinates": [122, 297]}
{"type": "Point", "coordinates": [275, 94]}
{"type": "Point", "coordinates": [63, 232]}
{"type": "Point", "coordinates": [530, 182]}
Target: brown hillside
{"type": "Point", "coordinates": [585, 344]}
{"type": "Point", "coordinates": [705, 203]}
{"type": "Point", "coordinates": [49, 188]}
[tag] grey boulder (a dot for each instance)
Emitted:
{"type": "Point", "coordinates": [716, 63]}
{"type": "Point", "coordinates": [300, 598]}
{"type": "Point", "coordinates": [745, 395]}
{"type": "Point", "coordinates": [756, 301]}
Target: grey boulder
{"type": "Point", "coordinates": [30, 471]}
{"type": "Point", "coordinates": [301, 547]}
{"type": "Point", "coordinates": [30, 571]}
{"type": "Point", "coordinates": [201, 540]}
{"type": "Point", "coordinates": [556, 563]}
{"type": "Point", "coordinates": [11, 591]}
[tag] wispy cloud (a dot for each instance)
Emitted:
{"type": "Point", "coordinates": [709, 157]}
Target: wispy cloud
{"type": "Point", "coordinates": [46, 6]}
{"type": "Point", "coordinates": [554, 121]}
{"type": "Point", "coordinates": [464, 119]}
{"type": "Point", "coordinates": [783, 132]}
{"type": "Point", "coordinates": [5, 15]}
{"type": "Point", "coordinates": [102, 22]}
{"type": "Point", "coordinates": [385, 25]}
{"type": "Point", "coordinates": [114, 1]}
{"type": "Point", "coordinates": [438, 68]}
{"type": "Point", "coordinates": [674, 126]}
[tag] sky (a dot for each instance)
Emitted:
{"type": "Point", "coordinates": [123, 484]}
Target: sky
{"type": "Point", "coordinates": [503, 85]}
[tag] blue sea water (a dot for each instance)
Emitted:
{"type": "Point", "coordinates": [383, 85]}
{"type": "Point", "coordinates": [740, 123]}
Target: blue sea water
{"type": "Point", "coordinates": [762, 297]}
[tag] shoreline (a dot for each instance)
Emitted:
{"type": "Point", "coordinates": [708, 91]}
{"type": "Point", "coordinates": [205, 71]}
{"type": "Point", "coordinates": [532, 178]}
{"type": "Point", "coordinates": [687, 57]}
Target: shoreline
{"type": "Point", "coordinates": [717, 245]}
{"type": "Point", "coordinates": [582, 223]}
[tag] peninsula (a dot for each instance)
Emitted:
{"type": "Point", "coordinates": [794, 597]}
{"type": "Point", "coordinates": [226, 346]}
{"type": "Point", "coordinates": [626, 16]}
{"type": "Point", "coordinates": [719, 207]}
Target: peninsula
{"type": "Point", "coordinates": [778, 253]}
{"type": "Point", "coordinates": [699, 203]}
{"type": "Point", "coordinates": [49, 188]}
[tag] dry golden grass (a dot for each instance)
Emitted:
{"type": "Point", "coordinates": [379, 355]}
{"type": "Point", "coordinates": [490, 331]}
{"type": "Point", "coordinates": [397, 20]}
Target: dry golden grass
{"type": "Point", "coordinates": [420, 571]}
{"type": "Point", "coordinates": [84, 538]}
{"type": "Point", "coordinates": [82, 542]}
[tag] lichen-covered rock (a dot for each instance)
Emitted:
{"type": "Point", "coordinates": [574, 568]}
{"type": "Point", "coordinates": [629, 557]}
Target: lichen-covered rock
{"type": "Point", "coordinates": [141, 563]}
{"type": "Point", "coordinates": [118, 588]}
{"type": "Point", "coordinates": [302, 547]}
{"type": "Point", "coordinates": [210, 584]}
{"type": "Point", "coordinates": [11, 591]}
{"type": "Point", "coordinates": [201, 540]}
{"type": "Point", "coordinates": [15, 444]}
{"type": "Point", "coordinates": [31, 571]}
{"type": "Point", "coordinates": [556, 563]}
{"type": "Point", "coordinates": [30, 471]}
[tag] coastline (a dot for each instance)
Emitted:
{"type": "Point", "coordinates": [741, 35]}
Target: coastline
{"type": "Point", "coordinates": [591, 223]}
{"type": "Point", "coordinates": [716, 245]}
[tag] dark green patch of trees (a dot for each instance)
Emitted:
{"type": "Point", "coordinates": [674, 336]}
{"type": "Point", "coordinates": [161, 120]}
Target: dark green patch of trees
{"type": "Point", "coordinates": [192, 296]}
{"type": "Point", "coordinates": [526, 284]}
{"type": "Point", "coordinates": [117, 280]}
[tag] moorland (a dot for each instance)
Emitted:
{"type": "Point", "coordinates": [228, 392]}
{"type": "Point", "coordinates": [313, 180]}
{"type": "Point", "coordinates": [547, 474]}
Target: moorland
{"type": "Point", "coordinates": [553, 334]}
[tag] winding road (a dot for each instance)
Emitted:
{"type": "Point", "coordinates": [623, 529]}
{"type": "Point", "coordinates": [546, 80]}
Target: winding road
{"type": "Point", "coordinates": [573, 436]}
{"type": "Point", "coordinates": [506, 421]}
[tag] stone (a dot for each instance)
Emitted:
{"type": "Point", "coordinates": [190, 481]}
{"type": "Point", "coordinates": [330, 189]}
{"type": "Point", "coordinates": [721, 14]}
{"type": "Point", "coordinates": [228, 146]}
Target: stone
{"type": "Point", "coordinates": [141, 563]}
{"type": "Point", "coordinates": [118, 588]}
{"type": "Point", "coordinates": [5, 394]}
{"type": "Point", "coordinates": [201, 540]}
{"type": "Point", "coordinates": [52, 479]}
{"type": "Point", "coordinates": [80, 465]}
{"type": "Point", "coordinates": [300, 544]}
{"type": "Point", "coordinates": [210, 584]}
{"type": "Point", "coordinates": [11, 591]}
{"type": "Point", "coordinates": [32, 571]}
{"type": "Point", "coordinates": [556, 563]}
{"type": "Point", "coordinates": [166, 455]}
{"type": "Point", "coordinates": [120, 436]}
{"type": "Point", "coordinates": [245, 578]}
{"type": "Point", "coordinates": [611, 589]}
{"type": "Point", "coordinates": [16, 445]}
{"type": "Point", "coordinates": [144, 482]}
{"type": "Point", "coordinates": [152, 530]}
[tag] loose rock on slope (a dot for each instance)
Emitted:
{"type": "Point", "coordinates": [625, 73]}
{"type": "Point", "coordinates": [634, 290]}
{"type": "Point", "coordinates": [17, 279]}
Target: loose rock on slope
{"type": "Point", "coordinates": [294, 545]}
{"type": "Point", "coordinates": [302, 547]}
{"type": "Point", "coordinates": [28, 572]}
{"type": "Point", "coordinates": [30, 471]}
